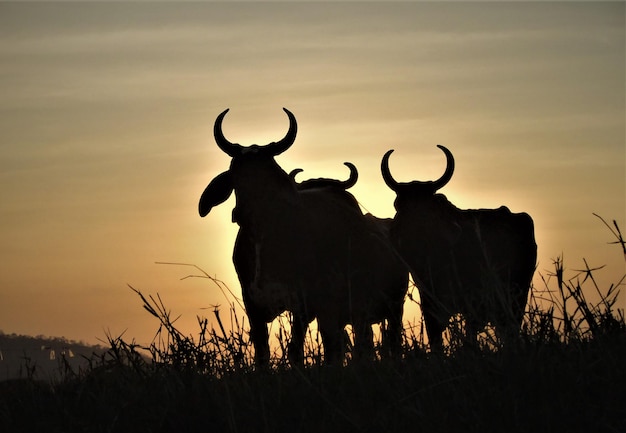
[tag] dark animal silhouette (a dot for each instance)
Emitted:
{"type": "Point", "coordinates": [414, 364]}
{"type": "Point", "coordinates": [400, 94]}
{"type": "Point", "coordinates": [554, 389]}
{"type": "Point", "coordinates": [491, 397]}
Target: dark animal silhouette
{"type": "Point", "coordinates": [386, 305]}
{"type": "Point", "coordinates": [301, 251]}
{"type": "Point", "coordinates": [477, 262]}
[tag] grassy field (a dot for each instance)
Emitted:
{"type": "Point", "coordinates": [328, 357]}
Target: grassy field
{"type": "Point", "coordinates": [566, 373]}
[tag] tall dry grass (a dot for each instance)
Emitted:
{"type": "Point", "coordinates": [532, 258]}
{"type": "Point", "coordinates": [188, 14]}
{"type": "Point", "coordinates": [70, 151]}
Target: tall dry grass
{"type": "Point", "coordinates": [559, 312]}
{"type": "Point", "coordinates": [565, 373]}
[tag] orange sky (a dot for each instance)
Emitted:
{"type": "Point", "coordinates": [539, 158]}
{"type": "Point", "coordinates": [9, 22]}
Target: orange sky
{"type": "Point", "coordinates": [108, 109]}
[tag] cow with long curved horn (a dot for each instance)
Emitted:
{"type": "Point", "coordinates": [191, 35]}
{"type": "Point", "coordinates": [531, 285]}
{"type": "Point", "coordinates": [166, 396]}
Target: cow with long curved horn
{"type": "Point", "coordinates": [298, 251]}
{"type": "Point", "coordinates": [381, 305]}
{"type": "Point", "coordinates": [477, 262]}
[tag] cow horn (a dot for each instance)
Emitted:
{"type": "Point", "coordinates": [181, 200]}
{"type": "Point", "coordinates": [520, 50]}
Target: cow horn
{"type": "Point", "coordinates": [384, 168]}
{"type": "Point", "coordinates": [231, 149]}
{"type": "Point", "coordinates": [323, 182]}
{"type": "Point", "coordinates": [432, 185]}
{"type": "Point", "coordinates": [280, 146]}
{"type": "Point", "coordinates": [273, 149]}
{"type": "Point", "coordinates": [354, 176]}
{"type": "Point", "coordinates": [447, 175]}
{"type": "Point", "coordinates": [293, 173]}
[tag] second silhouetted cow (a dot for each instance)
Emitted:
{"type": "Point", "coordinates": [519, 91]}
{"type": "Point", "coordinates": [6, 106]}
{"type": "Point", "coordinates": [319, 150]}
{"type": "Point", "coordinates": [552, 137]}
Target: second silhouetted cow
{"type": "Point", "coordinates": [478, 262]}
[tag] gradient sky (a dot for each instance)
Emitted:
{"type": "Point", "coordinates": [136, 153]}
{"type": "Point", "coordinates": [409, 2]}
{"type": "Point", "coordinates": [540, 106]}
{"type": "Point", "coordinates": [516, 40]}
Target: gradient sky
{"type": "Point", "coordinates": [106, 138]}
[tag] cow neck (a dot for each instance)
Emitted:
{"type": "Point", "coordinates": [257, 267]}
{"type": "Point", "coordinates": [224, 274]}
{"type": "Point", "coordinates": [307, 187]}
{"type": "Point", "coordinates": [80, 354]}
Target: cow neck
{"type": "Point", "coordinates": [267, 207]}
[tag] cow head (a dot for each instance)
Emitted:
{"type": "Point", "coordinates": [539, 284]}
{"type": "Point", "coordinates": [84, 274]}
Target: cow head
{"type": "Point", "coordinates": [416, 193]}
{"type": "Point", "coordinates": [421, 213]}
{"type": "Point", "coordinates": [253, 173]}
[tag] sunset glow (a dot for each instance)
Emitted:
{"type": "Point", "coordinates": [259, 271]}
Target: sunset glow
{"type": "Point", "coordinates": [107, 134]}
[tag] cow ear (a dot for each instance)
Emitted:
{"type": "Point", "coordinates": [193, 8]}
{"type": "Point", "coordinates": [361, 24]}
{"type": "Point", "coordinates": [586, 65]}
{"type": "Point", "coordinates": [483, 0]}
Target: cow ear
{"type": "Point", "coordinates": [217, 192]}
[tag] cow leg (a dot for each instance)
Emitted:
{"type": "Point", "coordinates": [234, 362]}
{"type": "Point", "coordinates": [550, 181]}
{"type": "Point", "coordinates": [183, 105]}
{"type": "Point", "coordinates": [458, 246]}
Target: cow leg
{"type": "Point", "coordinates": [434, 330]}
{"type": "Point", "coordinates": [333, 340]}
{"type": "Point", "coordinates": [363, 341]}
{"type": "Point", "coordinates": [296, 345]}
{"type": "Point", "coordinates": [392, 337]}
{"type": "Point", "coordinates": [508, 331]}
{"type": "Point", "coordinates": [260, 340]}
{"type": "Point", "coordinates": [472, 328]}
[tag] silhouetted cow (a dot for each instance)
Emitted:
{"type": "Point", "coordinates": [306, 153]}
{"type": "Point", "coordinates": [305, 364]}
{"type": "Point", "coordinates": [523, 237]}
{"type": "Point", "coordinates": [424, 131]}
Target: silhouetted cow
{"type": "Point", "coordinates": [301, 251]}
{"type": "Point", "coordinates": [384, 305]}
{"type": "Point", "coordinates": [478, 263]}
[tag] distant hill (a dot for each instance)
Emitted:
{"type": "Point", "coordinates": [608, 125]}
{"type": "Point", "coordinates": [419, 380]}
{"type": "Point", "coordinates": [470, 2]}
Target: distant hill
{"type": "Point", "coordinates": [42, 357]}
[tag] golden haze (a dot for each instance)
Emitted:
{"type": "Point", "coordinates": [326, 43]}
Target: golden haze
{"type": "Point", "coordinates": [107, 115]}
